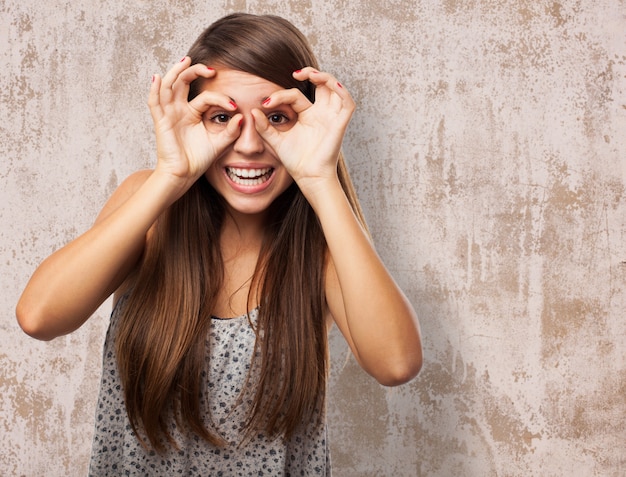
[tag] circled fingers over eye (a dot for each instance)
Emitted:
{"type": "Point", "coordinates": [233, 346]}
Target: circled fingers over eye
{"type": "Point", "coordinates": [290, 97]}
{"type": "Point", "coordinates": [204, 101]}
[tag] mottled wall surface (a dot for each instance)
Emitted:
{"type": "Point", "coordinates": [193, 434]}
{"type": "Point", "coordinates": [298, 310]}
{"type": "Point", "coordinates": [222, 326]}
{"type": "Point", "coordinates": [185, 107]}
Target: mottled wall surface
{"type": "Point", "coordinates": [489, 150]}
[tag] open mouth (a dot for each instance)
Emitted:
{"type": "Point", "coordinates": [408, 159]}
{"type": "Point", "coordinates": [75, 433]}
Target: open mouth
{"type": "Point", "coordinates": [249, 177]}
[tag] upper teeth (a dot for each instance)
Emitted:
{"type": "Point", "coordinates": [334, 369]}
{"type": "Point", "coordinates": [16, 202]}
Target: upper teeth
{"type": "Point", "coordinates": [249, 173]}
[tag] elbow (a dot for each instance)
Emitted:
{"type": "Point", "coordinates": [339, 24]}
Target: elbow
{"type": "Point", "coordinates": [32, 322]}
{"type": "Point", "coordinates": [401, 371]}
{"type": "Point", "coordinates": [403, 356]}
{"type": "Point", "coordinates": [401, 375]}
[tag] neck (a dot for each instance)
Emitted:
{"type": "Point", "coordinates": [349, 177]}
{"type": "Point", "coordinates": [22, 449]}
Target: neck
{"type": "Point", "coordinates": [240, 242]}
{"type": "Point", "coordinates": [243, 231]}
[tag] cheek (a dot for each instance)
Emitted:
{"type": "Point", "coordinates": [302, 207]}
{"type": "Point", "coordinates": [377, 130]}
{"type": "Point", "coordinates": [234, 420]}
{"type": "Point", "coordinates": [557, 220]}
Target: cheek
{"type": "Point", "coordinates": [285, 180]}
{"type": "Point", "coordinates": [213, 173]}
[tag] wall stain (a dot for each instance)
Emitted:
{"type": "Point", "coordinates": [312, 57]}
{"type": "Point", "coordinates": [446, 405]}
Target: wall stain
{"type": "Point", "coordinates": [487, 149]}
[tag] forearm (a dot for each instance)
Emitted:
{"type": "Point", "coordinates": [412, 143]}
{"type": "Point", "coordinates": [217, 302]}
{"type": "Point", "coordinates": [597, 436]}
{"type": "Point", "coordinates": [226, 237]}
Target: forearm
{"type": "Point", "coordinates": [70, 284]}
{"type": "Point", "coordinates": [379, 322]}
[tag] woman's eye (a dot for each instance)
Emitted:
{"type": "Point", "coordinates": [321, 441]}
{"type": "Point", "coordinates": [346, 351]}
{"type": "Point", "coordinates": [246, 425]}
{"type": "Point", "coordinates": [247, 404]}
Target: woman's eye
{"type": "Point", "coordinates": [220, 118]}
{"type": "Point", "coordinates": [277, 118]}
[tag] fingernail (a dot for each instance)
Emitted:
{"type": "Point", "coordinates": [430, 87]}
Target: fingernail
{"type": "Point", "coordinates": [298, 71]}
{"type": "Point", "coordinates": [339, 84]}
{"type": "Point", "coordinates": [183, 59]}
{"type": "Point", "coordinates": [240, 122]}
{"type": "Point", "coordinates": [210, 69]}
{"type": "Point", "coordinates": [233, 104]}
{"type": "Point", "coordinates": [153, 78]}
{"type": "Point", "coordinates": [266, 101]}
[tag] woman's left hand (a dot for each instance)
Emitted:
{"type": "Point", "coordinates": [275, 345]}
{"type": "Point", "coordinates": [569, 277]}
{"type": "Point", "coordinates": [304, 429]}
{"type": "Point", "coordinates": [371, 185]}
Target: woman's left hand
{"type": "Point", "coordinates": [310, 149]}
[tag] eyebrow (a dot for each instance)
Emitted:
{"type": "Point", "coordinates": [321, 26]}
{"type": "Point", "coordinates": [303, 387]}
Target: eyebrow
{"type": "Point", "coordinates": [262, 100]}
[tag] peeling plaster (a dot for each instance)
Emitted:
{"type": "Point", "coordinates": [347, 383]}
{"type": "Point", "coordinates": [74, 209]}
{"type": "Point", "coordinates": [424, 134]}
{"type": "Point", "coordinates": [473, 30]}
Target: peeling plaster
{"type": "Point", "coordinates": [489, 153]}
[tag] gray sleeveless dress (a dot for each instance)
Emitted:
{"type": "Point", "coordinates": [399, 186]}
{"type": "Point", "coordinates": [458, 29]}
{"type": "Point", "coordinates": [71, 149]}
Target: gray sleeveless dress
{"type": "Point", "coordinates": [117, 452]}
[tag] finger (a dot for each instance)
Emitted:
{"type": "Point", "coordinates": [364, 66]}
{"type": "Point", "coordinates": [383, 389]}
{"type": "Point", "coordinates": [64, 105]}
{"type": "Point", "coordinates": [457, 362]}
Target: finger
{"type": "Point", "coordinates": [173, 73]}
{"type": "Point", "coordinates": [207, 99]}
{"type": "Point", "coordinates": [170, 78]}
{"type": "Point", "coordinates": [325, 84]}
{"type": "Point", "coordinates": [233, 128]}
{"type": "Point", "coordinates": [182, 83]}
{"type": "Point", "coordinates": [154, 99]}
{"type": "Point", "coordinates": [229, 134]}
{"type": "Point", "coordinates": [267, 132]}
{"type": "Point", "coordinates": [291, 97]}
{"type": "Point", "coordinates": [314, 76]}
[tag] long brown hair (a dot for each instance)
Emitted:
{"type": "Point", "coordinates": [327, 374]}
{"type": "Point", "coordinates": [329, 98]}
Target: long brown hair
{"type": "Point", "coordinates": [162, 336]}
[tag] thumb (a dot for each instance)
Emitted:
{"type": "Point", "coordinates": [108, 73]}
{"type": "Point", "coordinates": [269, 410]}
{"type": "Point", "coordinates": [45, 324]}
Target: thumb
{"type": "Point", "coordinates": [268, 133]}
{"type": "Point", "coordinates": [229, 134]}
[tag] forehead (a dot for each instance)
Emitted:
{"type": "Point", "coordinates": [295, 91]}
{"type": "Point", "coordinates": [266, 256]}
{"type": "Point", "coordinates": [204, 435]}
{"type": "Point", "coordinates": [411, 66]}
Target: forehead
{"type": "Point", "coordinates": [239, 85]}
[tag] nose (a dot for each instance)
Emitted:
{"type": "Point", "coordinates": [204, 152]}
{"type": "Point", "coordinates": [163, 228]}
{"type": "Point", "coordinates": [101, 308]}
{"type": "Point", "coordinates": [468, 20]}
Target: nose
{"type": "Point", "coordinates": [249, 140]}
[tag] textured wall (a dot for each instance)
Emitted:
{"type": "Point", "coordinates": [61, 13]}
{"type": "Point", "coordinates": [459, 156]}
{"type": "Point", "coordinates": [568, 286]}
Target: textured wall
{"type": "Point", "coordinates": [489, 150]}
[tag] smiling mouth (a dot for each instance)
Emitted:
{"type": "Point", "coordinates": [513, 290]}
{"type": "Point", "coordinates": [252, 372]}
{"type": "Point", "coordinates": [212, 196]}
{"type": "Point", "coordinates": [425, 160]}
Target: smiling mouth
{"type": "Point", "coordinates": [249, 177]}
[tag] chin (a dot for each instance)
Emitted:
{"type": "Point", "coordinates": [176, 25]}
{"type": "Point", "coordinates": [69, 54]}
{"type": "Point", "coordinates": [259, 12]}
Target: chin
{"type": "Point", "coordinates": [251, 207]}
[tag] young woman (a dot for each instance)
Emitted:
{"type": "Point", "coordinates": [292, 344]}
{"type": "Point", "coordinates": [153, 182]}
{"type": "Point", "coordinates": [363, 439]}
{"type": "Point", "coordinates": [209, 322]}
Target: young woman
{"type": "Point", "coordinates": [228, 263]}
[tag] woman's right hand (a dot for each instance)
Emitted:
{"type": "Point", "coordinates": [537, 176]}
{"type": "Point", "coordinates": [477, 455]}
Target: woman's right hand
{"type": "Point", "coordinates": [185, 149]}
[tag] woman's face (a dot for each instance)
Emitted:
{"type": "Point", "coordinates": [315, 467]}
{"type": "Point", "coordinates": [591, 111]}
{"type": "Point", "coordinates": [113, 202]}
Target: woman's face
{"type": "Point", "coordinates": [248, 174]}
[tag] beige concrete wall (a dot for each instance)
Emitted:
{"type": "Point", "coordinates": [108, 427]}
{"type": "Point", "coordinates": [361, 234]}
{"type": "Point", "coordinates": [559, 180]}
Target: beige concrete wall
{"type": "Point", "coordinates": [489, 150]}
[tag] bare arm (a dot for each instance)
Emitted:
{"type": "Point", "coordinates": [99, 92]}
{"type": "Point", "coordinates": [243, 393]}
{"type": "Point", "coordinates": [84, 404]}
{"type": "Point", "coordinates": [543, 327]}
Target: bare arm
{"type": "Point", "coordinates": [75, 280]}
{"type": "Point", "coordinates": [70, 284]}
{"type": "Point", "coordinates": [373, 314]}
